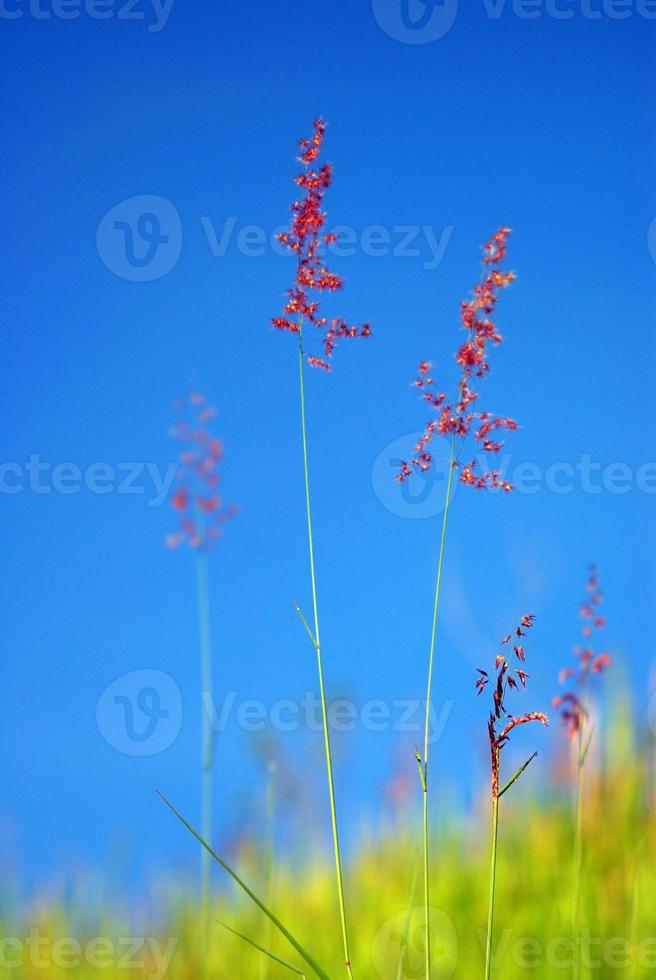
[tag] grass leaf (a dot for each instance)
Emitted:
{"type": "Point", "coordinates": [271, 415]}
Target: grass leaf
{"type": "Point", "coordinates": [261, 949]}
{"type": "Point", "coordinates": [311, 962]}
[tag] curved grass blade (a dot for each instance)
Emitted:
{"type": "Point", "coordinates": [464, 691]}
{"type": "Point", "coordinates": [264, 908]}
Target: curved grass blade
{"type": "Point", "coordinates": [311, 962]}
{"type": "Point", "coordinates": [261, 949]}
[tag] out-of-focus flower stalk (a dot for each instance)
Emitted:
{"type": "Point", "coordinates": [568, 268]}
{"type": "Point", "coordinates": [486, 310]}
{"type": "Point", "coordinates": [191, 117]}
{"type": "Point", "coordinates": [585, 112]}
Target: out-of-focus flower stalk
{"type": "Point", "coordinates": [202, 515]}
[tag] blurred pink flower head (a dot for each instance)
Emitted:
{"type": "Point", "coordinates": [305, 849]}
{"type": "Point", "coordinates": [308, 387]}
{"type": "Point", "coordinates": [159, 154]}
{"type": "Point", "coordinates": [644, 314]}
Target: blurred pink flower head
{"type": "Point", "coordinates": [573, 712]}
{"type": "Point", "coordinates": [195, 495]}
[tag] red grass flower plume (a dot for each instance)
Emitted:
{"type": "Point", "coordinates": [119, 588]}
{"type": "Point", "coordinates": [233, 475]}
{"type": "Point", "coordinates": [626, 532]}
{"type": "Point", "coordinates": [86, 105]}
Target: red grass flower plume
{"type": "Point", "coordinates": [456, 417]}
{"type": "Point", "coordinates": [501, 722]}
{"type": "Point", "coordinates": [305, 239]}
{"type": "Point", "coordinates": [573, 711]}
{"type": "Point", "coordinates": [195, 493]}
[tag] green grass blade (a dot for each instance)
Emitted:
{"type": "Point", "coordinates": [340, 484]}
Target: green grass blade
{"type": "Point", "coordinates": [305, 623]}
{"type": "Point", "coordinates": [514, 779]}
{"type": "Point", "coordinates": [242, 884]}
{"type": "Point", "coordinates": [261, 949]}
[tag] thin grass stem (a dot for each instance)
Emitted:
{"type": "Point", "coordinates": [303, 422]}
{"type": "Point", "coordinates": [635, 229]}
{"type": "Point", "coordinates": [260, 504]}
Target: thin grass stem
{"type": "Point", "coordinates": [322, 692]}
{"type": "Point", "coordinates": [270, 865]}
{"type": "Point", "coordinates": [493, 883]}
{"type": "Point", "coordinates": [578, 854]}
{"type": "Point", "coordinates": [429, 688]}
{"type": "Point", "coordinates": [207, 752]}
{"type": "Point", "coordinates": [403, 951]}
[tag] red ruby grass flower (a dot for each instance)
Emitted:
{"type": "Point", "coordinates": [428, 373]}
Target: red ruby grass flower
{"type": "Point", "coordinates": [506, 676]}
{"type": "Point", "coordinates": [306, 238]}
{"type": "Point", "coordinates": [573, 710]}
{"type": "Point", "coordinates": [195, 494]}
{"type": "Point", "coordinates": [456, 417]}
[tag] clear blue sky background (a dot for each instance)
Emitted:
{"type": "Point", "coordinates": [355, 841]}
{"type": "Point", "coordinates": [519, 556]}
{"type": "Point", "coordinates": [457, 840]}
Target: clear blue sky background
{"type": "Point", "coordinates": [543, 124]}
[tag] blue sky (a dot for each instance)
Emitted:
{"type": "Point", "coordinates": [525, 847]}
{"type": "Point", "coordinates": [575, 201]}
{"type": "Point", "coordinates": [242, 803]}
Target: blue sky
{"type": "Point", "coordinates": [541, 123]}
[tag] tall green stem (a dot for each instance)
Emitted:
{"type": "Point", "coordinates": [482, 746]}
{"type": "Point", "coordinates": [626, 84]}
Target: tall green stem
{"type": "Point", "coordinates": [270, 861]}
{"type": "Point", "coordinates": [207, 750]}
{"type": "Point", "coordinates": [578, 857]}
{"type": "Point", "coordinates": [493, 882]}
{"type": "Point", "coordinates": [322, 691]}
{"type": "Point", "coordinates": [424, 763]}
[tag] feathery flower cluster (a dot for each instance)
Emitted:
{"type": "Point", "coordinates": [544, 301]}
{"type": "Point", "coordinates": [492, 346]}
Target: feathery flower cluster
{"type": "Point", "coordinates": [573, 711]}
{"type": "Point", "coordinates": [305, 238]}
{"type": "Point", "coordinates": [195, 493]}
{"type": "Point", "coordinates": [501, 722]}
{"type": "Point", "coordinates": [456, 417]}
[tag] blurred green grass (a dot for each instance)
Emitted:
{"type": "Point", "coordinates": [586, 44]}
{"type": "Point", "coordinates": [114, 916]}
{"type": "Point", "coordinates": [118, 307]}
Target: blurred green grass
{"type": "Point", "coordinates": [532, 929]}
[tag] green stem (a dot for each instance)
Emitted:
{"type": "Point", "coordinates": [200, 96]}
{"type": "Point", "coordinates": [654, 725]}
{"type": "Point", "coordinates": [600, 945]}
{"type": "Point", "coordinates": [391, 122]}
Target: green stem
{"type": "Point", "coordinates": [322, 691]}
{"type": "Point", "coordinates": [207, 751]}
{"type": "Point", "coordinates": [403, 950]}
{"type": "Point", "coordinates": [578, 856]}
{"type": "Point", "coordinates": [493, 881]}
{"type": "Point", "coordinates": [269, 866]}
{"type": "Point", "coordinates": [431, 660]}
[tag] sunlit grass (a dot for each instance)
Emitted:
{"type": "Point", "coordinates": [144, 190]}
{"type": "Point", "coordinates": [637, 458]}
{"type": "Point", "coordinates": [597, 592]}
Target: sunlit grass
{"type": "Point", "coordinates": [532, 914]}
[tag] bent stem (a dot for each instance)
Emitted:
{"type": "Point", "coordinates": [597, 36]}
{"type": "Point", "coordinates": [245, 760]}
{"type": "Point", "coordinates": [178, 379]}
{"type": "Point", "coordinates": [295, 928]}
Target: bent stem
{"type": "Point", "coordinates": [207, 751]}
{"type": "Point", "coordinates": [423, 764]}
{"type": "Point", "coordinates": [317, 644]}
{"type": "Point", "coordinates": [493, 881]}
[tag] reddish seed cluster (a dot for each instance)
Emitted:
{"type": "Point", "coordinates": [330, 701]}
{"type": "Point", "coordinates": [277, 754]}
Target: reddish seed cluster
{"type": "Point", "coordinates": [305, 239]}
{"type": "Point", "coordinates": [195, 495]}
{"type": "Point", "coordinates": [501, 723]}
{"type": "Point", "coordinates": [573, 711]}
{"type": "Point", "coordinates": [456, 417]}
